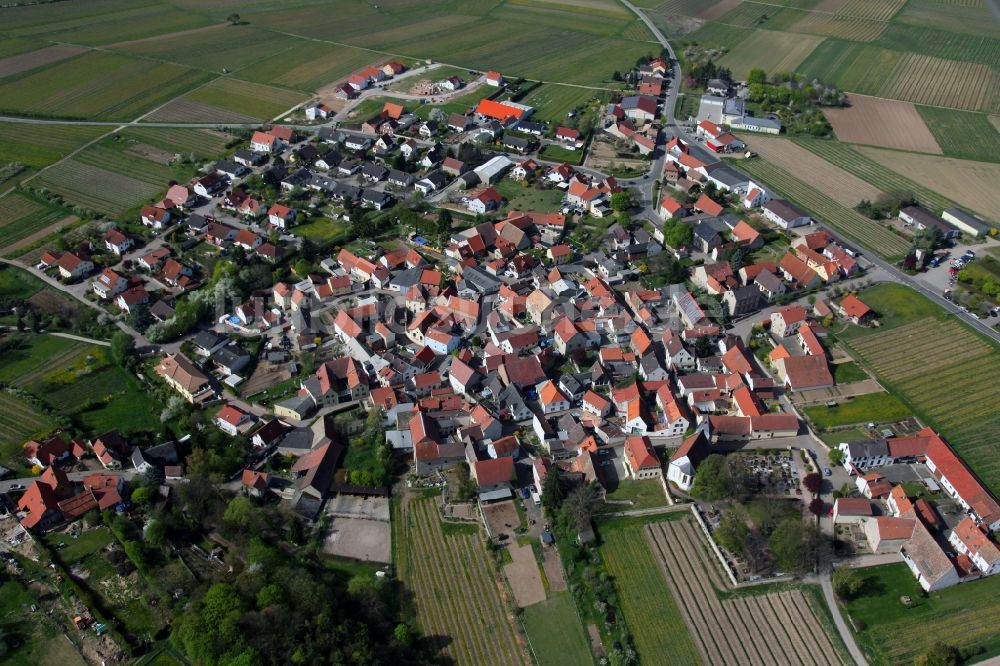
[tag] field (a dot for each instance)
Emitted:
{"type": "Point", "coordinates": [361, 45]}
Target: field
{"type": "Point", "coordinates": [938, 82]}
{"type": "Point", "coordinates": [852, 224]}
{"type": "Point", "coordinates": [41, 145]}
{"type": "Point", "coordinates": [227, 100]}
{"type": "Point", "coordinates": [882, 122]}
{"type": "Point", "coordinates": [844, 188]}
{"type": "Point", "coordinates": [555, 632]}
{"type": "Point", "coordinates": [204, 143]}
{"type": "Point", "coordinates": [216, 49]}
{"type": "Point", "coordinates": [868, 408]}
{"type": "Point", "coordinates": [95, 23]}
{"type": "Point", "coordinates": [553, 102]}
{"type": "Point", "coordinates": [98, 189]}
{"type": "Point", "coordinates": [23, 62]}
{"type": "Point", "coordinates": [650, 609]}
{"type": "Point", "coordinates": [772, 51]}
{"type": "Point", "coordinates": [778, 627]}
{"type": "Point", "coordinates": [459, 606]}
{"type": "Point", "coordinates": [951, 16]}
{"type": "Point", "coordinates": [970, 184]}
{"type": "Point", "coordinates": [948, 375]}
{"type": "Point", "coordinates": [20, 217]}
{"type": "Point", "coordinates": [77, 379]}
{"type": "Point", "coordinates": [852, 159]}
{"type": "Point", "coordinates": [309, 65]}
{"type": "Point", "coordinates": [19, 421]}
{"type": "Point", "coordinates": [871, 70]}
{"type": "Point", "coordinates": [96, 85]}
{"type": "Point", "coordinates": [962, 616]}
{"type": "Point", "coordinates": [965, 135]}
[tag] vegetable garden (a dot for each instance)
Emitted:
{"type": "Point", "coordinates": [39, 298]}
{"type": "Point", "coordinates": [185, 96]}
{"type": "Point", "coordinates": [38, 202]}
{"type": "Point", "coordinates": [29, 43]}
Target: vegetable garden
{"type": "Point", "coordinates": [772, 628]}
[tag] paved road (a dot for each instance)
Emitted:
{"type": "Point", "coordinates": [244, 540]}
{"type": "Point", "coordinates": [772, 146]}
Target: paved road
{"type": "Point", "coordinates": [76, 292]}
{"type": "Point", "coordinates": [6, 484]}
{"type": "Point", "coordinates": [842, 628]}
{"type": "Point", "coordinates": [644, 186]}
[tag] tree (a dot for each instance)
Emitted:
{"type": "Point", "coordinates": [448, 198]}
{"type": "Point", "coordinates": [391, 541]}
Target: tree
{"type": "Point", "coordinates": [757, 75]}
{"type": "Point", "coordinates": [795, 545]}
{"type": "Point", "coordinates": [144, 496]}
{"type": "Point", "coordinates": [123, 349]}
{"type": "Point", "coordinates": [740, 483]}
{"type": "Point", "coordinates": [816, 506]}
{"type": "Point", "coordinates": [438, 115]}
{"type": "Point", "coordinates": [703, 346]}
{"type": "Point", "coordinates": [836, 457]}
{"type": "Point", "coordinates": [580, 503]}
{"type": "Point", "coordinates": [621, 202]}
{"type": "Point", "coordinates": [813, 482]}
{"type": "Point", "coordinates": [403, 634]}
{"type": "Point", "coordinates": [552, 491]}
{"type": "Point", "coordinates": [240, 513]}
{"type": "Point", "coordinates": [733, 532]}
{"type": "Point", "coordinates": [233, 19]}
{"type": "Point", "coordinates": [847, 582]}
{"type": "Point", "coordinates": [939, 654]}
{"type": "Point", "coordinates": [711, 482]}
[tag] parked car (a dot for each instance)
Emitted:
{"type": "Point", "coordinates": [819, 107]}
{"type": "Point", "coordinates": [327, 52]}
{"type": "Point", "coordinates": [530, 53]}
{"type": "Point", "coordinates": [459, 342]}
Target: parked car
{"type": "Point", "coordinates": [827, 471]}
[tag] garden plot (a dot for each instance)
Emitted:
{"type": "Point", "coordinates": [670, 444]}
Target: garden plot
{"type": "Point", "coordinates": [775, 628]}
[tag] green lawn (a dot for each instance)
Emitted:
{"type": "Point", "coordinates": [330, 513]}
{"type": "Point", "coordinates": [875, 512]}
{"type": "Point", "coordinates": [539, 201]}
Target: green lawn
{"type": "Point", "coordinates": [963, 616]}
{"type": "Point", "coordinates": [895, 305]}
{"type": "Point", "coordinates": [645, 494]}
{"type": "Point", "coordinates": [37, 639]}
{"type": "Point", "coordinates": [655, 621]}
{"type": "Point", "coordinates": [323, 231]}
{"type": "Point", "coordinates": [877, 407]}
{"type": "Point", "coordinates": [18, 284]}
{"type": "Point", "coordinates": [559, 154]}
{"type": "Point", "coordinates": [835, 438]}
{"type": "Point", "coordinates": [528, 197]}
{"type": "Point", "coordinates": [86, 544]}
{"type": "Point", "coordinates": [555, 632]}
{"type": "Point", "coordinates": [844, 373]}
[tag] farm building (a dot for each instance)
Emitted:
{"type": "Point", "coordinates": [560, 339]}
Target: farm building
{"type": "Point", "coordinates": [966, 222]}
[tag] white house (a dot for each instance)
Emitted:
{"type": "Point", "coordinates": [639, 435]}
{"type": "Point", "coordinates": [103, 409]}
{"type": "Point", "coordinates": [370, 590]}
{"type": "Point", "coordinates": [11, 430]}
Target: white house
{"type": "Point", "coordinates": [551, 398]}
{"type": "Point", "coordinates": [784, 214]}
{"type": "Point", "coordinates": [970, 540]}
{"type": "Point", "coordinates": [686, 458]}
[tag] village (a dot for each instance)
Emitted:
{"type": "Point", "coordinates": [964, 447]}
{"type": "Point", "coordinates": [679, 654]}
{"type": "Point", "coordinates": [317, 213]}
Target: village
{"type": "Point", "coordinates": [498, 320]}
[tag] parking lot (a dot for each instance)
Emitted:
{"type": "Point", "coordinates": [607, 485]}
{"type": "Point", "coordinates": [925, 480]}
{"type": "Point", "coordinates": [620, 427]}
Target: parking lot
{"type": "Point", "coordinates": [941, 273]}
